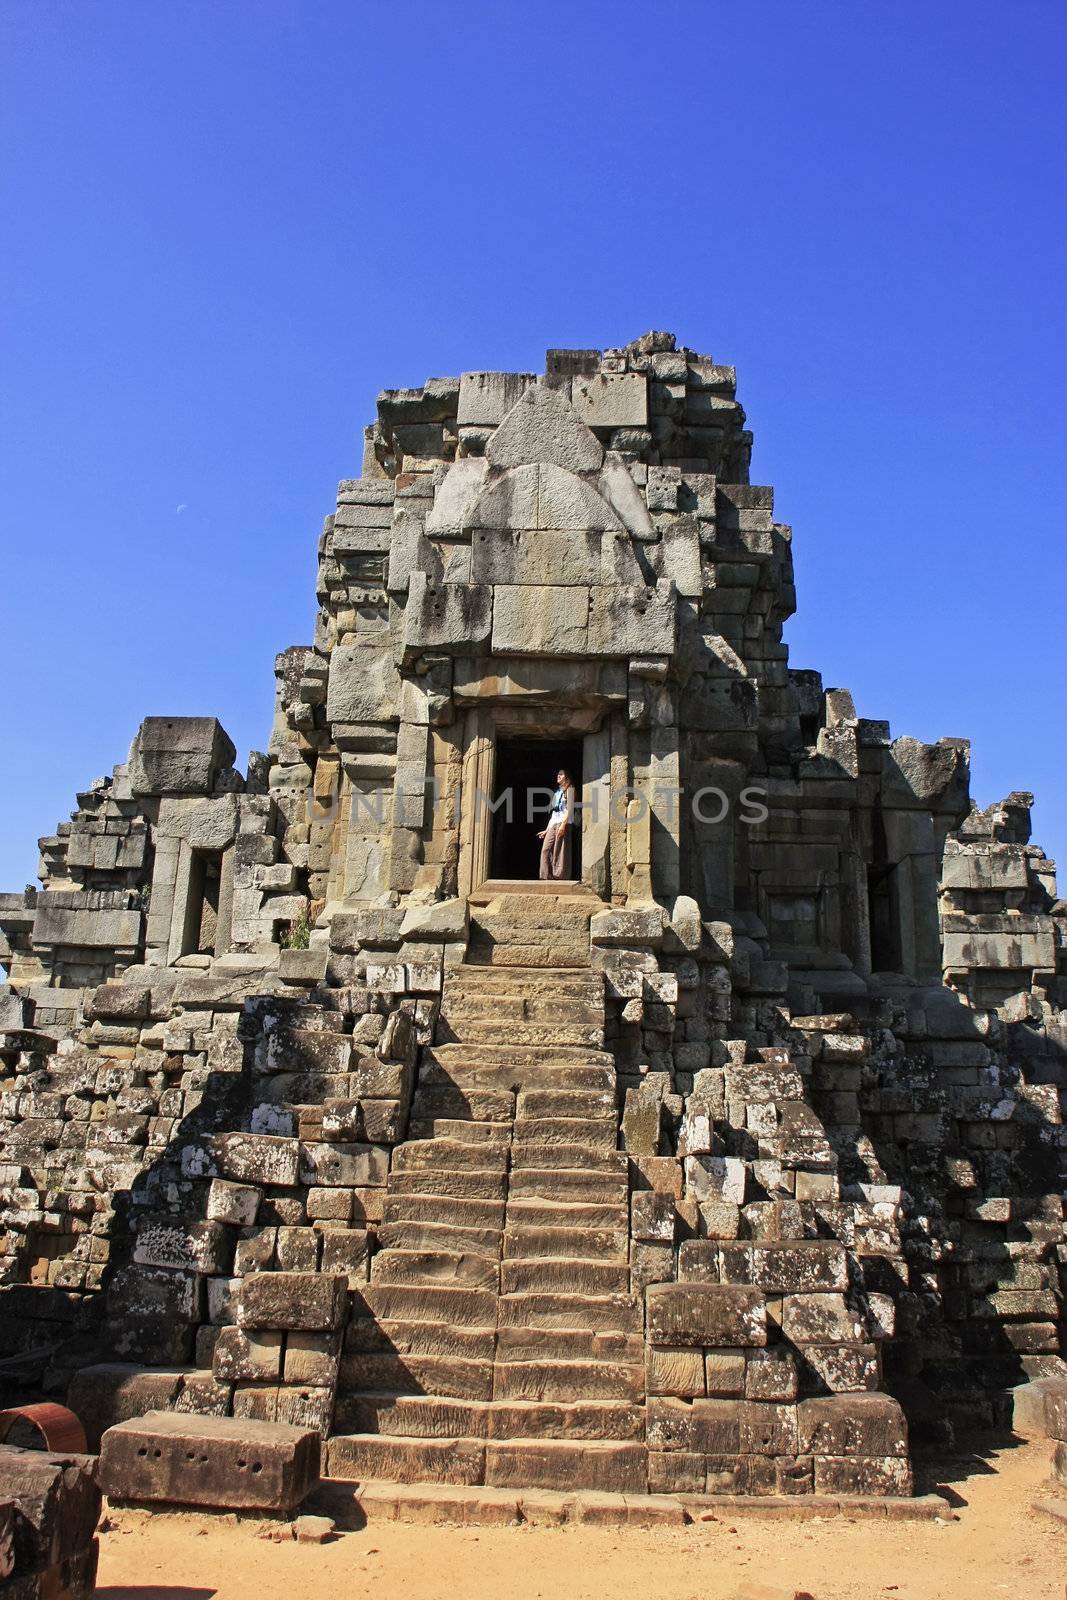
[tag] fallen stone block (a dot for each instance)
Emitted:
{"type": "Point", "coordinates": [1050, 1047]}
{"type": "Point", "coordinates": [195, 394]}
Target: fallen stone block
{"type": "Point", "coordinates": [213, 1461]}
{"type": "Point", "coordinates": [55, 1507]}
{"type": "Point", "coordinates": [313, 1530]}
{"type": "Point", "coordinates": [72, 1579]}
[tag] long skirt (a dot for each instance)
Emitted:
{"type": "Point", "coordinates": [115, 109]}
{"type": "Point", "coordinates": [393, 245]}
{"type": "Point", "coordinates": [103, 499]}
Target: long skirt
{"type": "Point", "coordinates": [556, 852]}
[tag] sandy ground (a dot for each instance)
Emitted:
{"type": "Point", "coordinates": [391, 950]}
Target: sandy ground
{"type": "Point", "coordinates": [998, 1547]}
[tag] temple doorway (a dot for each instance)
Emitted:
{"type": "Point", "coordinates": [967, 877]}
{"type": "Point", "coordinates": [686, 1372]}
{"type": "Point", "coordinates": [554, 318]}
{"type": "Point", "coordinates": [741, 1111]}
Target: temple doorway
{"type": "Point", "coordinates": [525, 777]}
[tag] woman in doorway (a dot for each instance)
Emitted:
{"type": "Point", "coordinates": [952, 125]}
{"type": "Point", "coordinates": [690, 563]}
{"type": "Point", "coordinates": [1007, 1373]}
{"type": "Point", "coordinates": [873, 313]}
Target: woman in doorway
{"type": "Point", "coordinates": [556, 838]}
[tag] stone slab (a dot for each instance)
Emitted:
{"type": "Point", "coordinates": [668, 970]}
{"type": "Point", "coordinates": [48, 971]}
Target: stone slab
{"type": "Point", "coordinates": [212, 1461]}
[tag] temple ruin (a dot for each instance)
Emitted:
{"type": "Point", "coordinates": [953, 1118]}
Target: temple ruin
{"type": "Point", "coordinates": [719, 1168]}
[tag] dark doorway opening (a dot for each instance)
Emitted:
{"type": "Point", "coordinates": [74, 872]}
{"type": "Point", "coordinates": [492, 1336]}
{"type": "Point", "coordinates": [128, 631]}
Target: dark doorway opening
{"type": "Point", "coordinates": [882, 908]}
{"type": "Point", "coordinates": [525, 768]}
{"type": "Point", "coordinates": [200, 935]}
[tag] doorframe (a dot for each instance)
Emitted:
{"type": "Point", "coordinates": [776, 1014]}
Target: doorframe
{"type": "Point", "coordinates": [483, 725]}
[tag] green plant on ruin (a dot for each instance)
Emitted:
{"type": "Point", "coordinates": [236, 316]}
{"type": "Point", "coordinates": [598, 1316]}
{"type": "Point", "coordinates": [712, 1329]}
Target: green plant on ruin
{"type": "Point", "coordinates": [298, 934]}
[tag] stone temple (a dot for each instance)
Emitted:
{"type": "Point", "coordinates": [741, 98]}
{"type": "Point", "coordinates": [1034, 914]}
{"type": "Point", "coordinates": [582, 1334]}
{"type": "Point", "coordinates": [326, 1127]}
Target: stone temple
{"type": "Point", "coordinates": [713, 1169]}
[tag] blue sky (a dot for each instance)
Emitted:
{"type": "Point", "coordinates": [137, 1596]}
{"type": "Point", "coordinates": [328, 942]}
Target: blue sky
{"type": "Point", "coordinates": [225, 226]}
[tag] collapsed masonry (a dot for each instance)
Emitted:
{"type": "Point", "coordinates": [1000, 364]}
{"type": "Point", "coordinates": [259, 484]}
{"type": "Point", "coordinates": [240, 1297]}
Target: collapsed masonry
{"type": "Point", "coordinates": [687, 1175]}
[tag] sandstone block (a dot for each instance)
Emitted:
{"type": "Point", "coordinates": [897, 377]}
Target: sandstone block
{"type": "Point", "coordinates": [166, 1241]}
{"type": "Point", "coordinates": [256, 1158]}
{"type": "Point", "coordinates": [114, 1391]}
{"type": "Point", "coordinates": [215, 1461]}
{"type": "Point", "coordinates": [348, 1166]}
{"type": "Point", "coordinates": [820, 1319]}
{"type": "Point", "coordinates": [56, 1502]}
{"type": "Point", "coordinates": [233, 1203]}
{"type": "Point", "coordinates": [724, 1373]}
{"type": "Point", "coordinates": [308, 1301]}
{"type": "Point", "coordinates": [1056, 1409]}
{"type": "Point", "coordinates": [805, 1266]}
{"type": "Point", "coordinates": [245, 1356]}
{"type": "Point", "coordinates": [888, 1475]}
{"type": "Point", "coordinates": [870, 1425]}
{"type": "Point", "coordinates": [706, 1314]}
{"type": "Point", "coordinates": [611, 399]}
{"type": "Point", "coordinates": [364, 685]}
{"type": "Point", "coordinates": [179, 755]}
{"type": "Point", "coordinates": [674, 1370]}
{"type": "Point", "coordinates": [542, 427]}
{"type": "Point", "coordinates": [652, 1216]}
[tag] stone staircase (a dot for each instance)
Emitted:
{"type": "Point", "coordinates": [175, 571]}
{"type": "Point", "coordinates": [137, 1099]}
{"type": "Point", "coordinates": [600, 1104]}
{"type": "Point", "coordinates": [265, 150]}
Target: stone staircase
{"type": "Point", "coordinates": [541, 927]}
{"type": "Point", "coordinates": [500, 1343]}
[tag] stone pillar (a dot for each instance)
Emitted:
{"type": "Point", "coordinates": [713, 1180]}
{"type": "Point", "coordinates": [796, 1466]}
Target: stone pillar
{"type": "Point", "coordinates": [596, 812]}
{"type": "Point", "coordinates": [479, 761]}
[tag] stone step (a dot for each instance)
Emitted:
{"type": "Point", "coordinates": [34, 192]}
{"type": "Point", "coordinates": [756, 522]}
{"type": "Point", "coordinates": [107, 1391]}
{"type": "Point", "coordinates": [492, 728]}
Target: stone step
{"type": "Point", "coordinates": [468, 1130]}
{"type": "Point", "coordinates": [624, 1313]}
{"type": "Point", "coordinates": [544, 982]}
{"type": "Point", "coordinates": [480, 1084]}
{"type": "Point", "coordinates": [502, 1031]}
{"type": "Point", "coordinates": [399, 1337]}
{"type": "Point", "coordinates": [518, 898]}
{"type": "Point", "coordinates": [485, 1006]}
{"type": "Point", "coordinates": [576, 1419]}
{"type": "Point", "coordinates": [428, 1416]}
{"type": "Point", "coordinates": [569, 1344]}
{"type": "Point", "coordinates": [564, 1464]}
{"type": "Point", "coordinates": [535, 1154]}
{"type": "Point", "coordinates": [568, 1380]}
{"type": "Point", "coordinates": [591, 1132]}
{"type": "Point", "coordinates": [544, 929]}
{"type": "Point", "coordinates": [362, 1456]}
{"type": "Point", "coordinates": [455, 1376]}
{"type": "Point", "coordinates": [598, 1244]}
{"type": "Point", "coordinates": [501, 950]}
{"type": "Point", "coordinates": [537, 1213]}
{"type": "Point", "coordinates": [549, 928]}
{"type": "Point", "coordinates": [416, 1416]}
{"type": "Point", "coordinates": [449, 1155]}
{"type": "Point", "coordinates": [568, 1184]}
{"type": "Point", "coordinates": [584, 1103]}
{"type": "Point", "coordinates": [466, 1307]}
{"type": "Point", "coordinates": [520, 1066]}
{"type": "Point", "coordinates": [552, 1275]}
{"type": "Point", "coordinates": [435, 1267]}
{"type": "Point", "coordinates": [449, 1185]}
{"type": "Point", "coordinates": [433, 1209]}
{"type": "Point", "coordinates": [435, 1103]}
{"type": "Point", "coordinates": [442, 1235]}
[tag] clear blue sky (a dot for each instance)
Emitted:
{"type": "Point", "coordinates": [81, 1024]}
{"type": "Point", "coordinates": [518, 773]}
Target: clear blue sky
{"type": "Point", "coordinates": [225, 226]}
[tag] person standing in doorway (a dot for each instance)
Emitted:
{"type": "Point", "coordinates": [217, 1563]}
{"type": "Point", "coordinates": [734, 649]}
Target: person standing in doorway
{"type": "Point", "coordinates": [556, 838]}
